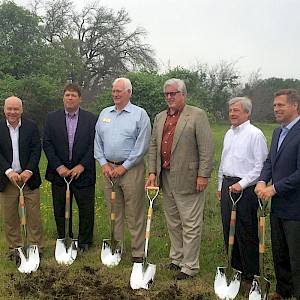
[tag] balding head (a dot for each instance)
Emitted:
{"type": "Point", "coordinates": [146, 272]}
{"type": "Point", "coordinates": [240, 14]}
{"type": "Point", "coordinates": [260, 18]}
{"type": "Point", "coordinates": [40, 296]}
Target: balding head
{"type": "Point", "coordinates": [13, 109]}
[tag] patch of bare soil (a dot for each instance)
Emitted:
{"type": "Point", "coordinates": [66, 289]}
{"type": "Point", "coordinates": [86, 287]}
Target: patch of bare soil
{"type": "Point", "coordinates": [60, 283]}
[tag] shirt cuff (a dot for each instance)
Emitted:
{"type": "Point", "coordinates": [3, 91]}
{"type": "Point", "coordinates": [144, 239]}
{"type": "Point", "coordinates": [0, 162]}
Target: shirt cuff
{"type": "Point", "coordinates": [8, 171]}
{"type": "Point", "coordinates": [274, 188]}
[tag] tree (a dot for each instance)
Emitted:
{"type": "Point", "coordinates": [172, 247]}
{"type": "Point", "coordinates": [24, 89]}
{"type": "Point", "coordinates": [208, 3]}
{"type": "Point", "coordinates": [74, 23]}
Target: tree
{"type": "Point", "coordinates": [21, 44]}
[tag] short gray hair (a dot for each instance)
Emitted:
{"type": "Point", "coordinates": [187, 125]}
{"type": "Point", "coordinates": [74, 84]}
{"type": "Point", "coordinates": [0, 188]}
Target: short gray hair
{"type": "Point", "coordinates": [245, 102]}
{"type": "Point", "coordinates": [180, 84]}
{"type": "Point", "coordinates": [127, 83]}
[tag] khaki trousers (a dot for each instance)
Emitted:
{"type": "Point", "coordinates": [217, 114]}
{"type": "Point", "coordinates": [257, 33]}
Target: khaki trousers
{"type": "Point", "coordinates": [130, 200]}
{"type": "Point", "coordinates": [10, 208]}
{"type": "Point", "coordinates": [184, 214]}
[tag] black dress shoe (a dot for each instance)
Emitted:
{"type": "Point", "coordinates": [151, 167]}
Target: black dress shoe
{"type": "Point", "coordinates": [13, 254]}
{"type": "Point", "coordinates": [84, 248]}
{"type": "Point", "coordinates": [181, 276]}
{"type": "Point", "coordinates": [173, 267]}
{"type": "Point", "coordinates": [137, 259]}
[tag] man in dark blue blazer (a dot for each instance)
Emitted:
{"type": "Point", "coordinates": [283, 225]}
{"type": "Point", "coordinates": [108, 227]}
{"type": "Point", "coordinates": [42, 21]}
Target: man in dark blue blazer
{"type": "Point", "coordinates": [20, 152]}
{"type": "Point", "coordinates": [283, 168]}
{"type": "Point", "coordinates": [69, 147]}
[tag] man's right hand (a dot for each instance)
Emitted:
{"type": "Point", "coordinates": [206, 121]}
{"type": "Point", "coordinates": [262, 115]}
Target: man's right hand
{"type": "Point", "coordinates": [14, 177]}
{"type": "Point", "coordinates": [219, 195]}
{"type": "Point", "coordinates": [64, 171]}
{"type": "Point", "coordinates": [151, 180]}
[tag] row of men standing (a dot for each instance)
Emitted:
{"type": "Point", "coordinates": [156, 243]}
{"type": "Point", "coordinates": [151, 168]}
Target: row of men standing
{"type": "Point", "coordinates": [180, 160]}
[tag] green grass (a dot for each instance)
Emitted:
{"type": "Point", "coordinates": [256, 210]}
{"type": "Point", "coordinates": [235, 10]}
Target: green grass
{"type": "Point", "coordinates": [87, 278]}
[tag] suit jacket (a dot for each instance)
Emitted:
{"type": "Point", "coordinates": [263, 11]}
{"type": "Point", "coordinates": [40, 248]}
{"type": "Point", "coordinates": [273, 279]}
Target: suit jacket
{"type": "Point", "coordinates": [283, 168]}
{"type": "Point", "coordinates": [192, 149]}
{"type": "Point", "coordinates": [29, 152]}
{"type": "Point", "coordinates": [57, 149]}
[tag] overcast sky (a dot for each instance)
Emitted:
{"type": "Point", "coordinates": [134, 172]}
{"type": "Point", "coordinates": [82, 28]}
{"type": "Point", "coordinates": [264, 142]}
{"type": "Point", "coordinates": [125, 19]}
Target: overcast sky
{"type": "Point", "coordinates": [258, 34]}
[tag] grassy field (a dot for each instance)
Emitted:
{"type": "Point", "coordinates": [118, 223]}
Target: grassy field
{"type": "Point", "coordinates": [87, 278]}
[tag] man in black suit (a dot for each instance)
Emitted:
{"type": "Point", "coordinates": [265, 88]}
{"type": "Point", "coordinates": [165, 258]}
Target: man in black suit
{"type": "Point", "coordinates": [283, 168]}
{"type": "Point", "coordinates": [20, 152]}
{"type": "Point", "coordinates": [69, 147]}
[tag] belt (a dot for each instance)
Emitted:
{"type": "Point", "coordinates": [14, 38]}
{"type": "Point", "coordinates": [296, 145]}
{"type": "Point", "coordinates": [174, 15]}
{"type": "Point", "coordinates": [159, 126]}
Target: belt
{"type": "Point", "coordinates": [118, 163]}
{"type": "Point", "coordinates": [231, 178]}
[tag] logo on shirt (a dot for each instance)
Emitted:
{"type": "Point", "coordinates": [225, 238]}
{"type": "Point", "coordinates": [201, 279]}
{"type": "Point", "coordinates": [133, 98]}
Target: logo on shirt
{"type": "Point", "coordinates": [106, 120]}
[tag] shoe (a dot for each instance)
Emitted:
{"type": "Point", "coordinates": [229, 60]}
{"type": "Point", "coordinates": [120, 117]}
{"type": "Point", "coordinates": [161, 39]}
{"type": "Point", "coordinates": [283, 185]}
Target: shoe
{"type": "Point", "coordinates": [13, 254]}
{"type": "Point", "coordinates": [173, 267]}
{"type": "Point", "coordinates": [40, 255]}
{"type": "Point", "coordinates": [137, 259]}
{"type": "Point", "coordinates": [274, 296]}
{"type": "Point", "coordinates": [84, 248]}
{"type": "Point", "coordinates": [181, 276]}
{"type": "Point", "coordinates": [247, 288]}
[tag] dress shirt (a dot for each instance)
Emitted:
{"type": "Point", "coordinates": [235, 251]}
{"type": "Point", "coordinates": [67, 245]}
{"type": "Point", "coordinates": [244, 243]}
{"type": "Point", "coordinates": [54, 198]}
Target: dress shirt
{"type": "Point", "coordinates": [71, 122]}
{"type": "Point", "coordinates": [14, 135]}
{"type": "Point", "coordinates": [168, 136]}
{"type": "Point", "coordinates": [285, 130]}
{"type": "Point", "coordinates": [244, 152]}
{"type": "Point", "coordinates": [122, 136]}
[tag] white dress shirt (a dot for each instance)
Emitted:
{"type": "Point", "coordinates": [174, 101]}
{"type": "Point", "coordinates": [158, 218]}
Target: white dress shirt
{"type": "Point", "coordinates": [14, 135]}
{"type": "Point", "coordinates": [244, 152]}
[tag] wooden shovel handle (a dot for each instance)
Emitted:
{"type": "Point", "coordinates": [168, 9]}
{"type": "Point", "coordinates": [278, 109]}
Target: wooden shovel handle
{"type": "Point", "coordinates": [152, 187]}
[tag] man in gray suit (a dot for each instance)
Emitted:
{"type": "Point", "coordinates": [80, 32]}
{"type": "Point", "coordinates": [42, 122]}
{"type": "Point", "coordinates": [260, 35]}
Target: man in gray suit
{"type": "Point", "coordinates": [180, 160]}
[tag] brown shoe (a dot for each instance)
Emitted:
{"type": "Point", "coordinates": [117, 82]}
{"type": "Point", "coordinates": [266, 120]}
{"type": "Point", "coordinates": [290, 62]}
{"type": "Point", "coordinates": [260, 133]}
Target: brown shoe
{"type": "Point", "coordinates": [274, 296]}
{"type": "Point", "coordinates": [137, 259]}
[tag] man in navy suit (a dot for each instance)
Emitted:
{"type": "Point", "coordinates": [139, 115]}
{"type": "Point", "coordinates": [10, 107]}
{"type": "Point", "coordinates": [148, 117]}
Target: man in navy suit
{"type": "Point", "coordinates": [283, 168]}
{"type": "Point", "coordinates": [69, 147]}
{"type": "Point", "coordinates": [20, 152]}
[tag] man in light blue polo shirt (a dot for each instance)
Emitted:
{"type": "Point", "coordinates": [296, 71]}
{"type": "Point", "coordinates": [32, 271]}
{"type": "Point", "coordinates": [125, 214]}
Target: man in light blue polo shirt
{"type": "Point", "coordinates": [121, 142]}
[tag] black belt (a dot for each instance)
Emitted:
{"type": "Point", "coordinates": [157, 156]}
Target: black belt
{"type": "Point", "coordinates": [231, 178]}
{"type": "Point", "coordinates": [118, 163]}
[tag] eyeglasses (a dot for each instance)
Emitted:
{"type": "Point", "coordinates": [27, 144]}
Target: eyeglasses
{"type": "Point", "coordinates": [172, 94]}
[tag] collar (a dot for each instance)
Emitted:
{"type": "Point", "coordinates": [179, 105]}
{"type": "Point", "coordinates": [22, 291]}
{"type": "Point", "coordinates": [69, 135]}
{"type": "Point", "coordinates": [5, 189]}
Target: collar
{"type": "Point", "coordinates": [69, 115]}
{"type": "Point", "coordinates": [177, 111]}
{"type": "Point", "coordinates": [126, 108]}
{"type": "Point", "coordinates": [240, 127]}
{"type": "Point", "coordinates": [290, 125]}
{"type": "Point", "coordinates": [9, 126]}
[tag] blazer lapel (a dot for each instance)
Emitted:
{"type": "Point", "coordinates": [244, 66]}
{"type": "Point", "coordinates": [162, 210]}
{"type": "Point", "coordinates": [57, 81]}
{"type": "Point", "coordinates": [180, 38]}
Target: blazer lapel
{"type": "Point", "coordinates": [179, 127]}
{"type": "Point", "coordinates": [160, 127]}
{"type": "Point", "coordinates": [293, 131]}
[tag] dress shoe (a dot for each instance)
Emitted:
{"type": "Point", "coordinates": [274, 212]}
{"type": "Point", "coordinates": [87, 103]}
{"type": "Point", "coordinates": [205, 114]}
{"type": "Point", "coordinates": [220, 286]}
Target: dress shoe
{"type": "Point", "coordinates": [274, 296]}
{"type": "Point", "coordinates": [173, 267]}
{"type": "Point", "coordinates": [246, 289]}
{"type": "Point", "coordinates": [13, 254]}
{"type": "Point", "coordinates": [84, 248]}
{"type": "Point", "coordinates": [137, 259]}
{"type": "Point", "coordinates": [181, 276]}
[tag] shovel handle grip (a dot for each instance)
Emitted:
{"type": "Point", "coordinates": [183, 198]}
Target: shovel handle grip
{"type": "Point", "coordinates": [152, 187]}
{"type": "Point", "coordinates": [262, 234]}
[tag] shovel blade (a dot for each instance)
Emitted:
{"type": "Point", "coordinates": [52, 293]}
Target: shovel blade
{"type": "Point", "coordinates": [227, 283]}
{"type": "Point", "coordinates": [141, 278]}
{"type": "Point", "coordinates": [65, 255]}
{"type": "Point", "coordinates": [259, 289]}
{"type": "Point", "coordinates": [109, 258]}
{"type": "Point", "coordinates": [31, 262]}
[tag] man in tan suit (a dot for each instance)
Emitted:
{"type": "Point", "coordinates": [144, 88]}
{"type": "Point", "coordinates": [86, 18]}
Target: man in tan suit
{"type": "Point", "coordinates": [180, 160]}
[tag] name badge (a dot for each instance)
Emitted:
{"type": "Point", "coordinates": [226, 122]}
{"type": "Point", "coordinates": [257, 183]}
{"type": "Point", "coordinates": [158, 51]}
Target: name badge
{"type": "Point", "coordinates": [106, 120]}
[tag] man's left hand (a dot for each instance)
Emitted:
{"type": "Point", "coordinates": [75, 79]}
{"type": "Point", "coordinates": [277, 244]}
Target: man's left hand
{"type": "Point", "coordinates": [201, 183]}
{"type": "Point", "coordinates": [76, 171]}
{"type": "Point", "coordinates": [267, 193]}
{"type": "Point", "coordinates": [25, 175]}
{"type": "Point", "coordinates": [118, 172]}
